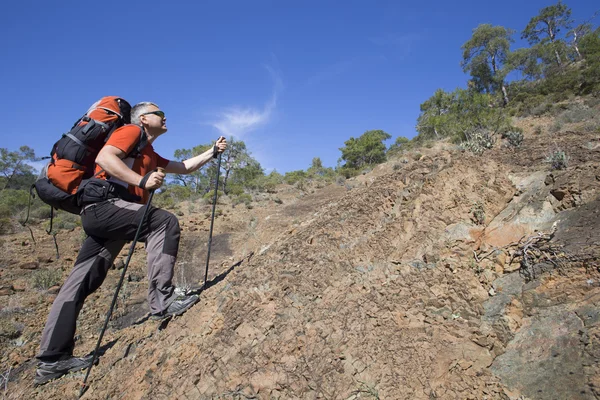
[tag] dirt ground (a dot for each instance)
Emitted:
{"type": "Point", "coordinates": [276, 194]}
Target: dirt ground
{"type": "Point", "coordinates": [439, 274]}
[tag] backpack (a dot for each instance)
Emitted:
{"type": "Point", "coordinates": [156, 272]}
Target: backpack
{"type": "Point", "coordinates": [73, 156]}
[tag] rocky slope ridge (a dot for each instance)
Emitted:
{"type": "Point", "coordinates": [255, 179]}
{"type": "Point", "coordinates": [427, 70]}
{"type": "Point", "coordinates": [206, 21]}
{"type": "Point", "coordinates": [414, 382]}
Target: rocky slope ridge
{"type": "Point", "coordinates": [436, 275]}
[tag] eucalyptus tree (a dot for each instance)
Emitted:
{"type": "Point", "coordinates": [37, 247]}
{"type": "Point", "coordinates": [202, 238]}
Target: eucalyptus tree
{"type": "Point", "coordinates": [485, 57]}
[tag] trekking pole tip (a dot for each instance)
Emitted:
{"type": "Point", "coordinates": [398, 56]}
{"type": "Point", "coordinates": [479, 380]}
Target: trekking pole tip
{"type": "Point", "coordinates": [83, 389]}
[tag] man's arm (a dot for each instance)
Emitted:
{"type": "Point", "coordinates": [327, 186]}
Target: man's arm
{"type": "Point", "coordinates": [110, 160]}
{"type": "Point", "coordinates": [192, 164]}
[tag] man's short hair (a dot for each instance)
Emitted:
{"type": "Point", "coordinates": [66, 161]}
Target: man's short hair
{"type": "Point", "coordinates": [139, 109]}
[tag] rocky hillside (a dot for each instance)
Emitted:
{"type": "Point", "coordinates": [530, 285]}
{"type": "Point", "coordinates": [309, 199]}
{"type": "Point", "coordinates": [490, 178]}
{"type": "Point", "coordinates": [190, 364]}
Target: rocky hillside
{"type": "Point", "coordinates": [439, 274]}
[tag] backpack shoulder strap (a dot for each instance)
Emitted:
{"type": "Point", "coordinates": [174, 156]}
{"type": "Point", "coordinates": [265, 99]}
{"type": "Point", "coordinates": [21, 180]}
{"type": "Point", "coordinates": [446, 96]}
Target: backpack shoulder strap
{"type": "Point", "coordinates": [137, 150]}
{"type": "Point", "coordinates": [142, 142]}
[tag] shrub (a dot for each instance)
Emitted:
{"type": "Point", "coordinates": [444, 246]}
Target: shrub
{"type": "Point", "coordinates": [556, 126]}
{"type": "Point", "coordinates": [541, 109]}
{"type": "Point", "coordinates": [577, 114]}
{"type": "Point", "coordinates": [208, 197]}
{"type": "Point", "coordinates": [477, 213]}
{"type": "Point", "coordinates": [480, 140]}
{"type": "Point", "coordinates": [6, 225]}
{"type": "Point", "coordinates": [592, 102]}
{"type": "Point", "coordinates": [9, 329]}
{"type": "Point", "coordinates": [234, 190]}
{"type": "Point", "coordinates": [13, 201]}
{"type": "Point", "coordinates": [266, 183]}
{"type": "Point", "coordinates": [514, 138]}
{"type": "Point", "coordinates": [348, 172]}
{"type": "Point", "coordinates": [294, 176]}
{"type": "Point", "coordinates": [171, 195]}
{"type": "Point", "coordinates": [591, 126]}
{"type": "Point", "coordinates": [44, 279]}
{"type": "Point", "coordinates": [558, 160]}
{"type": "Point", "coordinates": [242, 198]}
{"type": "Point", "coordinates": [65, 220]}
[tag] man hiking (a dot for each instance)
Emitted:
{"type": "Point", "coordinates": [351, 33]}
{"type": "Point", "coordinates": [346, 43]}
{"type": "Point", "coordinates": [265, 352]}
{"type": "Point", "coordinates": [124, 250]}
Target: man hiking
{"type": "Point", "coordinates": [127, 169]}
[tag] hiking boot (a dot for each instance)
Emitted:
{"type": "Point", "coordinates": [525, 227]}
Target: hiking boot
{"type": "Point", "coordinates": [47, 371]}
{"type": "Point", "coordinates": [177, 307]}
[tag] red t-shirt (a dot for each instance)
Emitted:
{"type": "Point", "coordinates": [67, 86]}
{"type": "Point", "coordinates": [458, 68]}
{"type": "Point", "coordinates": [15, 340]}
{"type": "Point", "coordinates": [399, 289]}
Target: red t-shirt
{"type": "Point", "coordinates": [126, 139]}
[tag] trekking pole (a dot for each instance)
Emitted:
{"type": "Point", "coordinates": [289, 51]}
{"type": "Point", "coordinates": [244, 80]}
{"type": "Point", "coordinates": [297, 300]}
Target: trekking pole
{"type": "Point", "coordinates": [114, 300]}
{"type": "Point", "coordinates": [212, 219]}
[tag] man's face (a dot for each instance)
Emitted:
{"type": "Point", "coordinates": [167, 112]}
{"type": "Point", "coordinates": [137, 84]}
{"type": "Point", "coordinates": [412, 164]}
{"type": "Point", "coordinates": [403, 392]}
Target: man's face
{"type": "Point", "coordinates": [154, 120]}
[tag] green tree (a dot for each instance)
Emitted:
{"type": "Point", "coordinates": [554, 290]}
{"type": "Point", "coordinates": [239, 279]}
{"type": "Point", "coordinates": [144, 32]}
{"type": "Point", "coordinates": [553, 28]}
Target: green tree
{"type": "Point", "coordinates": [465, 112]}
{"type": "Point", "coordinates": [543, 29]}
{"type": "Point", "coordinates": [13, 166]}
{"type": "Point", "coordinates": [399, 145]}
{"type": "Point", "coordinates": [293, 177]}
{"type": "Point", "coordinates": [239, 162]}
{"type": "Point", "coordinates": [366, 150]}
{"type": "Point", "coordinates": [247, 175]}
{"type": "Point", "coordinates": [433, 122]}
{"type": "Point", "coordinates": [590, 50]}
{"type": "Point", "coordinates": [316, 164]}
{"type": "Point", "coordinates": [473, 112]}
{"type": "Point", "coordinates": [485, 56]}
{"type": "Point", "coordinates": [576, 34]}
{"type": "Point", "coordinates": [197, 181]}
{"type": "Point", "coordinates": [525, 60]}
{"type": "Point", "coordinates": [268, 182]}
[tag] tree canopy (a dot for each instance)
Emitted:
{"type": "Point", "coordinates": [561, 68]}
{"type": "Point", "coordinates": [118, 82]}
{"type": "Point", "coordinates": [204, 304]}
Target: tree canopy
{"type": "Point", "coordinates": [485, 56]}
{"type": "Point", "coordinates": [14, 170]}
{"type": "Point", "coordinates": [368, 149]}
{"type": "Point", "coordinates": [543, 29]}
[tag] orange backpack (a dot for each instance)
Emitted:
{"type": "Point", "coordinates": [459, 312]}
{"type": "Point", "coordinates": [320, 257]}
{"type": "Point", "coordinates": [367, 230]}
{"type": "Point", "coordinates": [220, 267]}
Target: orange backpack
{"type": "Point", "coordinates": [73, 156]}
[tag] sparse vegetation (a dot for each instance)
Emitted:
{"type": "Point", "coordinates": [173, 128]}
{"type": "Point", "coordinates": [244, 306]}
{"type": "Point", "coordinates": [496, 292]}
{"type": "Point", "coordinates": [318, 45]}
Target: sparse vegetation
{"type": "Point", "coordinates": [477, 212]}
{"type": "Point", "coordinates": [244, 198]}
{"type": "Point", "coordinates": [558, 159]}
{"type": "Point", "coordinates": [44, 279]}
{"type": "Point", "coordinates": [514, 138]}
{"type": "Point", "coordinates": [479, 141]}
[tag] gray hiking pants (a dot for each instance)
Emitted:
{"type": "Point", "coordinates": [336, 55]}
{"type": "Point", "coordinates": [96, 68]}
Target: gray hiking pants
{"type": "Point", "coordinates": [109, 225]}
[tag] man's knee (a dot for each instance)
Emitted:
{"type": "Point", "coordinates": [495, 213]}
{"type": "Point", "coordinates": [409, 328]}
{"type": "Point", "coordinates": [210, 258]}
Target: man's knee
{"type": "Point", "coordinates": [172, 225]}
{"type": "Point", "coordinates": [171, 231]}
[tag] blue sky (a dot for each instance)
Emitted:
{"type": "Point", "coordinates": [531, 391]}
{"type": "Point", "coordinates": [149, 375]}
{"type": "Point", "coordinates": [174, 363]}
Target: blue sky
{"type": "Point", "coordinates": [293, 79]}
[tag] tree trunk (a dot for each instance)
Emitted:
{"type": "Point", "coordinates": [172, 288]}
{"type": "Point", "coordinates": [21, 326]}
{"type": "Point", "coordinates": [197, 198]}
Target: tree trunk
{"type": "Point", "coordinates": [551, 34]}
{"type": "Point", "coordinates": [9, 178]}
{"type": "Point", "coordinates": [225, 180]}
{"type": "Point", "coordinates": [504, 95]}
{"type": "Point", "coordinates": [558, 61]}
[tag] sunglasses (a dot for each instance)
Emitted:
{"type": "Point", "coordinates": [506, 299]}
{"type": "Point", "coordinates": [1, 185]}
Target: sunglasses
{"type": "Point", "coordinates": [161, 114]}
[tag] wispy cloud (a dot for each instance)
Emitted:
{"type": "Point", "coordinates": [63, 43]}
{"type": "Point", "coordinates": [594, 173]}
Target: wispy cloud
{"type": "Point", "coordinates": [329, 72]}
{"type": "Point", "coordinates": [403, 42]}
{"type": "Point", "coordinates": [239, 121]}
